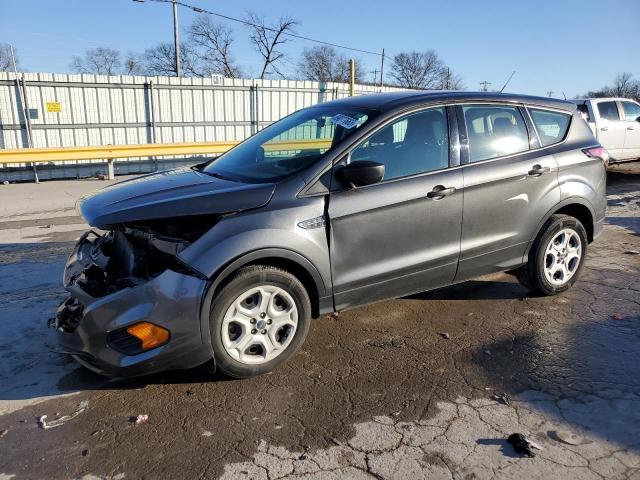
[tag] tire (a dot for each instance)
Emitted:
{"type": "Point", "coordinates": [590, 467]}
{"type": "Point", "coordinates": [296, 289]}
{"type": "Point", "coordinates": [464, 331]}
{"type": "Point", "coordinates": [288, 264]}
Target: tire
{"type": "Point", "coordinates": [258, 320]}
{"type": "Point", "coordinates": [553, 269]}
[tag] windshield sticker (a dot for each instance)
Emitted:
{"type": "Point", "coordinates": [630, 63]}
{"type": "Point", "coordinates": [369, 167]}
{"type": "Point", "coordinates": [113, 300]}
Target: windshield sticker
{"type": "Point", "coordinates": [344, 121]}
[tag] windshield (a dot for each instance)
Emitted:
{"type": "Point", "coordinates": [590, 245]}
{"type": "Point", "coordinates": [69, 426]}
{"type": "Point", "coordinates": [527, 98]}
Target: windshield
{"type": "Point", "coordinates": [289, 145]}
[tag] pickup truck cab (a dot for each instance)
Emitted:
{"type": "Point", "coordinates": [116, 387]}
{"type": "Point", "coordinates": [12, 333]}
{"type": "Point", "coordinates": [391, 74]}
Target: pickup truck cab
{"type": "Point", "coordinates": [615, 122]}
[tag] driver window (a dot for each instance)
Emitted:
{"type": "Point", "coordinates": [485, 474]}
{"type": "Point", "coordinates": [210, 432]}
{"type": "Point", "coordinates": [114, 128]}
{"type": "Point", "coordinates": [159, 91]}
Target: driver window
{"type": "Point", "coordinates": [413, 144]}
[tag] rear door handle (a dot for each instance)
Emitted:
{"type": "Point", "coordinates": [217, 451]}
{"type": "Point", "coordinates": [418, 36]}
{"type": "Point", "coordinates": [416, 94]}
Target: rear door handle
{"type": "Point", "coordinates": [604, 129]}
{"type": "Point", "coordinates": [538, 170]}
{"type": "Point", "coordinates": [630, 128]}
{"type": "Point", "coordinates": [440, 191]}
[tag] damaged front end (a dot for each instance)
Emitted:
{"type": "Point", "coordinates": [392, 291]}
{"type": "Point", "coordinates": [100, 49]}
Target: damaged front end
{"type": "Point", "coordinates": [133, 305]}
{"type": "Point", "coordinates": [123, 257]}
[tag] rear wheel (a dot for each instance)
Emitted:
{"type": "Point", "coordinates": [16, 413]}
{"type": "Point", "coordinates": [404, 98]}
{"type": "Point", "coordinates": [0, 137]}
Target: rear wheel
{"type": "Point", "coordinates": [556, 257]}
{"type": "Point", "coordinates": [258, 320]}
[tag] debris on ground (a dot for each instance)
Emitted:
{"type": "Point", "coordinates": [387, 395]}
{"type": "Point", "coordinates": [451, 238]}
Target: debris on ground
{"type": "Point", "coordinates": [487, 352]}
{"type": "Point", "coordinates": [140, 419]}
{"type": "Point", "coordinates": [335, 441]}
{"type": "Point", "coordinates": [445, 335]}
{"type": "Point", "coordinates": [85, 452]}
{"type": "Point", "coordinates": [523, 445]}
{"type": "Point", "coordinates": [502, 398]}
{"type": "Point", "coordinates": [617, 316]}
{"type": "Point", "coordinates": [207, 433]}
{"type": "Point", "coordinates": [3, 433]}
{"type": "Point", "coordinates": [470, 314]}
{"type": "Point", "coordinates": [44, 423]}
{"type": "Point", "coordinates": [569, 438]}
{"type": "Point", "coordinates": [632, 252]}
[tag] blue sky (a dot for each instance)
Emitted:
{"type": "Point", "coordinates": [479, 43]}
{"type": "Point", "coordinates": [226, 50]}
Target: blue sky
{"type": "Point", "coordinates": [571, 45]}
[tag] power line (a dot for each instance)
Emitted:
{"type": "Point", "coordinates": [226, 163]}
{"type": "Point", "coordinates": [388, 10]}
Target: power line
{"type": "Point", "coordinates": [251, 24]}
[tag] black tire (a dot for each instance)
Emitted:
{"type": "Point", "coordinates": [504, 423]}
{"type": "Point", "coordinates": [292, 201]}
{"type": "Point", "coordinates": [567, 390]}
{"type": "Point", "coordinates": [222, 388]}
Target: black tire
{"type": "Point", "coordinates": [532, 275]}
{"type": "Point", "coordinates": [242, 280]}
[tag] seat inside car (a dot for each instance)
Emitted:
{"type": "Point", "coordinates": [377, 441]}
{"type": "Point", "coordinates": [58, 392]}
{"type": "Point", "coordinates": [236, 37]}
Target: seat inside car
{"type": "Point", "coordinates": [425, 146]}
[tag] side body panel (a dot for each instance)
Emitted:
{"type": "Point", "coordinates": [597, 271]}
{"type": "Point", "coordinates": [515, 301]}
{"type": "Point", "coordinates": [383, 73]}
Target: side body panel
{"type": "Point", "coordinates": [610, 133]}
{"type": "Point", "coordinates": [273, 229]}
{"type": "Point", "coordinates": [502, 208]}
{"type": "Point", "coordinates": [582, 179]}
{"type": "Point", "coordinates": [389, 239]}
{"type": "Point", "coordinates": [632, 133]}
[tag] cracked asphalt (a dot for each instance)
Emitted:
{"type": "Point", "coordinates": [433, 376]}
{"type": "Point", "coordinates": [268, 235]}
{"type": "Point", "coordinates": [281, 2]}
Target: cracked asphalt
{"type": "Point", "coordinates": [376, 392]}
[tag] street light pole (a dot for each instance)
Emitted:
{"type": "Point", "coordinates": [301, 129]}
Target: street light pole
{"type": "Point", "coordinates": [176, 37]}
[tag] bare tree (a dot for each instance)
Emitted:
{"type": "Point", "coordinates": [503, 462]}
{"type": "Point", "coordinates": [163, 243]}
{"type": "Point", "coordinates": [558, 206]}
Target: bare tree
{"type": "Point", "coordinates": [324, 64]}
{"type": "Point", "coordinates": [100, 61]}
{"type": "Point", "coordinates": [450, 80]}
{"type": "Point", "coordinates": [133, 65]}
{"type": "Point", "coordinates": [417, 69]}
{"type": "Point", "coordinates": [215, 41]}
{"type": "Point", "coordinates": [267, 38]}
{"type": "Point", "coordinates": [160, 60]}
{"type": "Point", "coordinates": [6, 61]}
{"type": "Point", "coordinates": [624, 85]}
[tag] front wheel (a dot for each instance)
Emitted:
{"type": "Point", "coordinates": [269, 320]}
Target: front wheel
{"type": "Point", "coordinates": [556, 257]}
{"type": "Point", "coordinates": [258, 320]}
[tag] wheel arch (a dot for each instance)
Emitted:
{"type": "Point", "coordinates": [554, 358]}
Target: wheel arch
{"type": "Point", "coordinates": [575, 207]}
{"type": "Point", "coordinates": [291, 261]}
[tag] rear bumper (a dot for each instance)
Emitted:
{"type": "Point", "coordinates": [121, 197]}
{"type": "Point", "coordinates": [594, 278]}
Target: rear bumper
{"type": "Point", "coordinates": [171, 300]}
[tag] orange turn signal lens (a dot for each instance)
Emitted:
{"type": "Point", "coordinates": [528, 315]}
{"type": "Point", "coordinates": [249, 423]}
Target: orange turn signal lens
{"type": "Point", "coordinates": [150, 335]}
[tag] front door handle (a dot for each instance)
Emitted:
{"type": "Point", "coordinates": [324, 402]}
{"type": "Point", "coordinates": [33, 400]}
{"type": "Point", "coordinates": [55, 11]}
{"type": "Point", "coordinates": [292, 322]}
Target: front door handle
{"type": "Point", "coordinates": [604, 129]}
{"type": "Point", "coordinates": [538, 170]}
{"type": "Point", "coordinates": [440, 191]}
{"type": "Point", "coordinates": [630, 128]}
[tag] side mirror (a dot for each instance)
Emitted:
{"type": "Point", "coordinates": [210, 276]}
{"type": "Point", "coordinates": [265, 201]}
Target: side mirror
{"type": "Point", "coordinates": [361, 173]}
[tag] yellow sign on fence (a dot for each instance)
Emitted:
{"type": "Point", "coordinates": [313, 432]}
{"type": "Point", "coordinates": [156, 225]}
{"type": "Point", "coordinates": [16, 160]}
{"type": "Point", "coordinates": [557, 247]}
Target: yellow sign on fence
{"type": "Point", "coordinates": [55, 107]}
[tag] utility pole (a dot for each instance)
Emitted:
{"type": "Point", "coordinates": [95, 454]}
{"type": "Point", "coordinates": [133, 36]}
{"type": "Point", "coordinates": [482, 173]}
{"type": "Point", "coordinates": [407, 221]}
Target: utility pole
{"type": "Point", "coordinates": [375, 76]}
{"type": "Point", "coordinates": [446, 81]}
{"type": "Point", "coordinates": [176, 37]}
{"type": "Point", "coordinates": [549, 93]}
{"type": "Point", "coordinates": [352, 76]}
{"type": "Point", "coordinates": [485, 86]}
{"type": "Point", "coordinates": [382, 70]}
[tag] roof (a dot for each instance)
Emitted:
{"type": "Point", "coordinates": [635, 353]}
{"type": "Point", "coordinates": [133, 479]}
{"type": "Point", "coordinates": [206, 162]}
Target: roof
{"type": "Point", "coordinates": [602, 99]}
{"type": "Point", "coordinates": [392, 100]}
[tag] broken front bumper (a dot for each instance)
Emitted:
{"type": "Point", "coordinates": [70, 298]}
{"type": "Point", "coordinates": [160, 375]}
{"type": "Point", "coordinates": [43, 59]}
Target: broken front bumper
{"type": "Point", "coordinates": [170, 300]}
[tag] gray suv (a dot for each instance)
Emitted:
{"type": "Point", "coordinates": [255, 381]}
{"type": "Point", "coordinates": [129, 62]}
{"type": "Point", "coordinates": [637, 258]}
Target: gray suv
{"type": "Point", "coordinates": [337, 205]}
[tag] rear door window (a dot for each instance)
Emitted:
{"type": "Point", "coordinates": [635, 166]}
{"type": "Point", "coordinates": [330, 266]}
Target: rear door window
{"type": "Point", "coordinates": [631, 111]}
{"type": "Point", "coordinates": [494, 131]}
{"type": "Point", "coordinates": [551, 126]}
{"type": "Point", "coordinates": [608, 110]}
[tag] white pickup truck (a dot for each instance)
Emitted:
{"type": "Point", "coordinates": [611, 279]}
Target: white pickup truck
{"type": "Point", "coordinates": [615, 122]}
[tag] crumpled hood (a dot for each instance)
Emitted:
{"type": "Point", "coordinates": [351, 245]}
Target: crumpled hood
{"type": "Point", "coordinates": [173, 193]}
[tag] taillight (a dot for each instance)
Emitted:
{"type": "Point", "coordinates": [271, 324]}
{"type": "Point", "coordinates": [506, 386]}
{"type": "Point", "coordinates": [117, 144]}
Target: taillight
{"type": "Point", "coordinates": [598, 152]}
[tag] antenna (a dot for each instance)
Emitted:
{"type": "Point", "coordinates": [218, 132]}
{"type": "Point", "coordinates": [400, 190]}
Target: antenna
{"type": "Point", "coordinates": [507, 82]}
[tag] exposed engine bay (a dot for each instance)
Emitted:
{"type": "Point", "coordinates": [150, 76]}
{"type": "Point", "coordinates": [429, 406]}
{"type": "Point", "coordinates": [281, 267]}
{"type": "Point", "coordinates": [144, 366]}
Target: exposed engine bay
{"type": "Point", "coordinates": [130, 254]}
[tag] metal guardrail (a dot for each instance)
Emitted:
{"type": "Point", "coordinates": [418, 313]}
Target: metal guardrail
{"type": "Point", "coordinates": [112, 152]}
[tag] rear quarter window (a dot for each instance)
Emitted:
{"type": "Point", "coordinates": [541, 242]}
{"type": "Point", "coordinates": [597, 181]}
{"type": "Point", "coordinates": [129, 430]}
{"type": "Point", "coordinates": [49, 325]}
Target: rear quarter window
{"type": "Point", "coordinates": [552, 127]}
